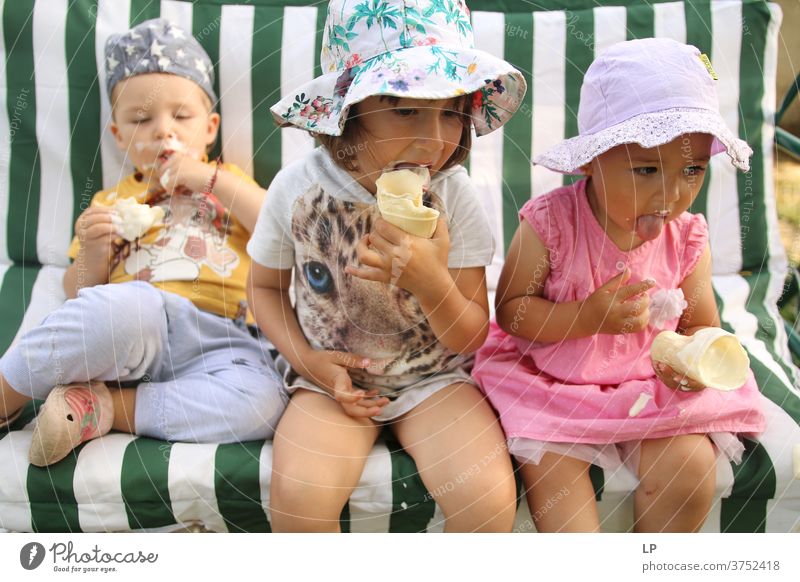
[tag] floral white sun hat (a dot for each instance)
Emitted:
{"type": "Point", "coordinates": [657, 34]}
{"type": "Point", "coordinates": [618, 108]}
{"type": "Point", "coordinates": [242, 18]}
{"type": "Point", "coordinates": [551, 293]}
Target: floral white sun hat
{"type": "Point", "coordinates": [420, 49]}
{"type": "Point", "coordinates": [648, 92]}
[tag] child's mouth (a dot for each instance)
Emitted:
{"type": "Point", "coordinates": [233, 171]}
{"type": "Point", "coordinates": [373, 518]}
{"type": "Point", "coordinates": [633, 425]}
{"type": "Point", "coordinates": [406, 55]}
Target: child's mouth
{"type": "Point", "coordinates": [649, 226]}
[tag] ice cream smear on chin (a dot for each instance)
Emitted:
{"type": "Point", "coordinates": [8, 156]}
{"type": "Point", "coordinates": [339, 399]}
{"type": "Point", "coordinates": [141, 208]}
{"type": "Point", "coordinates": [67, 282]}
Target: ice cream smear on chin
{"type": "Point", "coordinates": [136, 218]}
{"type": "Point", "coordinates": [649, 226]}
{"type": "Point", "coordinates": [399, 192]}
{"type": "Point", "coordinates": [712, 356]}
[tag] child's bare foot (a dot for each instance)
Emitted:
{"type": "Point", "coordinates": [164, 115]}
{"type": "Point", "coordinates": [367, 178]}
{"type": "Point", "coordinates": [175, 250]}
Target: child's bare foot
{"type": "Point", "coordinates": [71, 415]}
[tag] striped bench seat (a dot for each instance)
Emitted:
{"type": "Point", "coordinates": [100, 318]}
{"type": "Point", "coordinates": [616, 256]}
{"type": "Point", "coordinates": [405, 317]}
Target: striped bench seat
{"type": "Point", "coordinates": [56, 152]}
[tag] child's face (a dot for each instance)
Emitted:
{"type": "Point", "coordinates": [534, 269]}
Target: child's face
{"type": "Point", "coordinates": [151, 111]}
{"type": "Point", "coordinates": [419, 131]}
{"type": "Point", "coordinates": [634, 191]}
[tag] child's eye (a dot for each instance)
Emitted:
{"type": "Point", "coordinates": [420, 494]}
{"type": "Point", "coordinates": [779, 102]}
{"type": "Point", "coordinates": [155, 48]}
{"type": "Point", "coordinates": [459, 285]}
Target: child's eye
{"type": "Point", "coordinates": [404, 112]}
{"type": "Point", "coordinates": [645, 170]}
{"type": "Point", "coordinates": [694, 170]}
{"type": "Point", "coordinates": [139, 120]}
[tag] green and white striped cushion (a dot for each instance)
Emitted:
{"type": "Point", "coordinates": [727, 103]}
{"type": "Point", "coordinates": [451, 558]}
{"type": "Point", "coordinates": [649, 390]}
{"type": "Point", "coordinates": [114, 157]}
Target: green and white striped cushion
{"type": "Point", "coordinates": [55, 152]}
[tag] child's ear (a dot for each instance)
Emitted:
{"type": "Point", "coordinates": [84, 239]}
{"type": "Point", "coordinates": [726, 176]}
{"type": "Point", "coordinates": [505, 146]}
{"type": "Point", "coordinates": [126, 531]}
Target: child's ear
{"type": "Point", "coordinates": [212, 128]}
{"type": "Point", "coordinates": [117, 136]}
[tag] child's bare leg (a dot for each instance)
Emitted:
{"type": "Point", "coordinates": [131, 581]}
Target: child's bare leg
{"type": "Point", "coordinates": [10, 399]}
{"type": "Point", "coordinates": [460, 451]}
{"type": "Point", "coordinates": [124, 401]}
{"type": "Point", "coordinates": [677, 477]}
{"type": "Point", "coordinates": [319, 453]}
{"type": "Point", "coordinates": [560, 495]}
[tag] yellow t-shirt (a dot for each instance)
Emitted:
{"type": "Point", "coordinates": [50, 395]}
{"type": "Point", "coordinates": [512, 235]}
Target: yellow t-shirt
{"type": "Point", "coordinates": [198, 252]}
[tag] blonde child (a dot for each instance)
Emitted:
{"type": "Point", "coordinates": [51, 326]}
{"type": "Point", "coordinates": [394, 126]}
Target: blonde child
{"type": "Point", "coordinates": [570, 357]}
{"type": "Point", "coordinates": [383, 321]}
{"type": "Point", "coordinates": [171, 325]}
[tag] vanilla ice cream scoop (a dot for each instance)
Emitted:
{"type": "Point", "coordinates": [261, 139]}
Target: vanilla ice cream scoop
{"type": "Point", "coordinates": [711, 356]}
{"type": "Point", "coordinates": [136, 218]}
{"type": "Point", "coordinates": [399, 196]}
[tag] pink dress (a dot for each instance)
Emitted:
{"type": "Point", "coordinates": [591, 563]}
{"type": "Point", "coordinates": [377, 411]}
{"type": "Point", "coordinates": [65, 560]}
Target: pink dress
{"type": "Point", "coordinates": [582, 390]}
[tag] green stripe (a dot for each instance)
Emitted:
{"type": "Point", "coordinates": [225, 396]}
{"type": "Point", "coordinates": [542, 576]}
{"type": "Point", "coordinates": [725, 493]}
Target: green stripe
{"type": "Point", "coordinates": [266, 79]}
{"type": "Point", "coordinates": [598, 479]}
{"type": "Point", "coordinates": [84, 107]}
{"type": "Point", "coordinates": [579, 55]}
{"type": "Point", "coordinates": [752, 208]}
{"type": "Point", "coordinates": [51, 496]}
{"type": "Point", "coordinates": [517, 132]}
{"type": "Point", "coordinates": [145, 483]}
{"type": "Point", "coordinates": [699, 29]}
{"type": "Point", "coordinates": [745, 511]}
{"type": "Point", "coordinates": [344, 519]}
{"type": "Point", "coordinates": [24, 171]}
{"type": "Point", "coordinates": [322, 13]}
{"type": "Point", "coordinates": [206, 22]}
{"type": "Point", "coordinates": [767, 330]}
{"type": "Point", "coordinates": [237, 485]}
{"type": "Point", "coordinates": [15, 296]}
{"type": "Point", "coordinates": [142, 10]}
{"type": "Point", "coordinates": [640, 21]}
{"type": "Point", "coordinates": [412, 505]}
{"type": "Point", "coordinates": [485, 5]}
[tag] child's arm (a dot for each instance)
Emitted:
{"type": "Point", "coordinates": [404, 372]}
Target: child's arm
{"type": "Point", "coordinates": [614, 308]}
{"type": "Point", "coordinates": [268, 297]}
{"type": "Point", "coordinates": [96, 233]}
{"type": "Point", "coordinates": [454, 301]}
{"type": "Point", "coordinates": [238, 194]}
{"type": "Point", "coordinates": [701, 312]}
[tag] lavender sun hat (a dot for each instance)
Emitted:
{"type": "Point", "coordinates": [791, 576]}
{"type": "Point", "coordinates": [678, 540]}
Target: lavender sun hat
{"type": "Point", "coordinates": [420, 49]}
{"type": "Point", "coordinates": [647, 92]}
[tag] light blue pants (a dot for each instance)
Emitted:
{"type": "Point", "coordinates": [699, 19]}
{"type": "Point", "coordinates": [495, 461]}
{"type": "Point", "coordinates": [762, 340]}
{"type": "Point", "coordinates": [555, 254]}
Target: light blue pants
{"type": "Point", "coordinates": [199, 377]}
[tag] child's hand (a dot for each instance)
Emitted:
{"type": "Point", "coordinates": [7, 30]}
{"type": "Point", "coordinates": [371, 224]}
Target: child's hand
{"type": "Point", "coordinates": [390, 255]}
{"type": "Point", "coordinates": [618, 308]}
{"type": "Point", "coordinates": [328, 369]}
{"type": "Point", "coordinates": [97, 229]}
{"type": "Point", "coordinates": [180, 170]}
{"type": "Point", "coordinates": [676, 380]}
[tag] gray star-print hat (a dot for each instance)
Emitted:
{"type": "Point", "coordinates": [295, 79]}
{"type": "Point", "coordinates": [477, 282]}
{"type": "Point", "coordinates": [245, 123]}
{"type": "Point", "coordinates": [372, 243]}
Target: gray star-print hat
{"type": "Point", "coordinates": [158, 46]}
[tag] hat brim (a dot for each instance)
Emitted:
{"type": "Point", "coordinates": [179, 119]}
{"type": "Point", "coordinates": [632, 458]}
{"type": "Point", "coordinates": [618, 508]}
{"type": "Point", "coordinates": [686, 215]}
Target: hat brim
{"type": "Point", "coordinates": [419, 72]}
{"type": "Point", "coordinates": [647, 130]}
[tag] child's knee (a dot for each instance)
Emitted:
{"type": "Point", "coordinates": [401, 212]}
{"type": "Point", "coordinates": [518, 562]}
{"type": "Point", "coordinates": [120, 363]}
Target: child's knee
{"type": "Point", "coordinates": [686, 470]}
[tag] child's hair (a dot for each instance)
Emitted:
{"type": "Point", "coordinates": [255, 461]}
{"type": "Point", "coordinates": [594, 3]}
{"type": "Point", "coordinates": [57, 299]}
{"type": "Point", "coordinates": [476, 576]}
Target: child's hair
{"type": "Point", "coordinates": [343, 148]}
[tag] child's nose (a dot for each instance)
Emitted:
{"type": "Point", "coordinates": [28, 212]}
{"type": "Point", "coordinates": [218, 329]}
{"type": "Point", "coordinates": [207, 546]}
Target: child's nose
{"type": "Point", "coordinates": [673, 189]}
{"type": "Point", "coordinates": [163, 128]}
{"type": "Point", "coordinates": [431, 137]}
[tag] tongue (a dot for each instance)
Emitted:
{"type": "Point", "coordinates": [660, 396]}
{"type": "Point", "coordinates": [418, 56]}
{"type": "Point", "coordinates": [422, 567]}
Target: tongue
{"type": "Point", "coordinates": [649, 226]}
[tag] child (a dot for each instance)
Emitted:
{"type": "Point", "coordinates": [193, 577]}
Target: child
{"type": "Point", "coordinates": [384, 321]}
{"type": "Point", "coordinates": [171, 325]}
{"type": "Point", "coordinates": [570, 358]}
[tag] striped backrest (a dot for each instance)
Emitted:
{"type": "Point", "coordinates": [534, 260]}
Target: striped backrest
{"type": "Point", "coordinates": [56, 151]}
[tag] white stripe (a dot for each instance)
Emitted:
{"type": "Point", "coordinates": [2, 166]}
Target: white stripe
{"type": "Point", "coordinates": [297, 68]}
{"type": "Point", "coordinates": [723, 200]}
{"type": "Point", "coordinates": [235, 85]}
{"type": "Point", "coordinates": [178, 13]}
{"type": "Point", "coordinates": [437, 522]}
{"type": "Point", "coordinates": [97, 484]}
{"type": "Point", "coordinates": [191, 485]}
{"type": "Point", "coordinates": [265, 477]}
{"type": "Point", "coordinates": [609, 27]}
{"type": "Point", "coordinates": [779, 439]}
{"type": "Point", "coordinates": [47, 294]}
{"type": "Point", "coordinates": [112, 18]}
{"type": "Point", "coordinates": [549, 62]}
{"type": "Point", "coordinates": [5, 147]}
{"type": "Point", "coordinates": [735, 290]}
{"type": "Point", "coordinates": [486, 159]}
{"type": "Point", "coordinates": [371, 501]}
{"type": "Point", "coordinates": [777, 254]}
{"type": "Point", "coordinates": [15, 509]}
{"type": "Point", "coordinates": [669, 20]}
{"type": "Point", "coordinates": [52, 132]}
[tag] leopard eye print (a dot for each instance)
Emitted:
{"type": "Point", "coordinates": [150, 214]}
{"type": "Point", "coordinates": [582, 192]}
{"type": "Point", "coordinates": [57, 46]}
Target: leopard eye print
{"type": "Point", "coordinates": [319, 277]}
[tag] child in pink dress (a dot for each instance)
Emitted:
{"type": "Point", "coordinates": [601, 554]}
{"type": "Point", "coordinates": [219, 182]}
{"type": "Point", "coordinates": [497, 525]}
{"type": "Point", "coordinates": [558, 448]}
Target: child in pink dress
{"type": "Point", "coordinates": [598, 268]}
